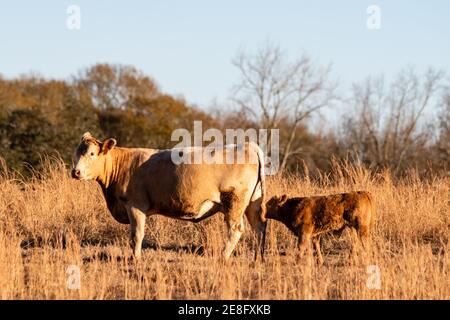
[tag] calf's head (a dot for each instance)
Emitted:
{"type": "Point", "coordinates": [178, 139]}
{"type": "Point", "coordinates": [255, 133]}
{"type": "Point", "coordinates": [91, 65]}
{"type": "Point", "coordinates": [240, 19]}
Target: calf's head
{"type": "Point", "coordinates": [275, 203]}
{"type": "Point", "coordinates": [90, 156]}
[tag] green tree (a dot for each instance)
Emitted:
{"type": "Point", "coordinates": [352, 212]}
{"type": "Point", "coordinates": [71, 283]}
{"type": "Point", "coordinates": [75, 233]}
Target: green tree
{"type": "Point", "coordinates": [26, 135]}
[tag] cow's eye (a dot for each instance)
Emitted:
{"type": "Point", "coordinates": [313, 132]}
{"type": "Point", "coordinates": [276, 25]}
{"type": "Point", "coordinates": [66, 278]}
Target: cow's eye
{"type": "Point", "coordinates": [92, 154]}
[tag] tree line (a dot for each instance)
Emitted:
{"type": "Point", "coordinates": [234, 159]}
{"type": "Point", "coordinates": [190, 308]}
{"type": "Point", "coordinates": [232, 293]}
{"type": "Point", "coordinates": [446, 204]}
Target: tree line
{"type": "Point", "coordinates": [398, 125]}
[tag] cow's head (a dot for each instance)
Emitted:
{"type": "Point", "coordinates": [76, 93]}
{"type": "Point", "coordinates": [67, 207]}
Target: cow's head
{"type": "Point", "coordinates": [90, 156]}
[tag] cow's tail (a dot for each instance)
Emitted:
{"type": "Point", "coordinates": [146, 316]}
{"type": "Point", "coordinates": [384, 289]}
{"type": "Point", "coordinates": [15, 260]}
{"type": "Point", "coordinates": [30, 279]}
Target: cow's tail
{"type": "Point", "coordinates": [262, 210]}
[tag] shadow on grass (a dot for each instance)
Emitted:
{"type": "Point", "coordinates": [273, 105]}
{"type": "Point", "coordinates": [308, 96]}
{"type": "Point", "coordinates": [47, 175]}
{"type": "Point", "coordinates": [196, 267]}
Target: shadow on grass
{"type": "Point", "coordinates": [61, 243]}
{"type": "Point", "coordinates": [105, 256]}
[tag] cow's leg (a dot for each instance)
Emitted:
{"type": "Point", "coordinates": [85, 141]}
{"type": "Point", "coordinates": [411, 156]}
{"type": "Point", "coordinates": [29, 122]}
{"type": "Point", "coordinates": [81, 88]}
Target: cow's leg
{"type": "Point", "coordinates": [254, 217]}
{"type": "Point", "coordinates": [316, 242]}
{"type": "Point", "coordinates": [234, 217]}
{"type": "Point", "coordinates": [235, 230]}
{"type": "Point", "coordinates": [137, 223]}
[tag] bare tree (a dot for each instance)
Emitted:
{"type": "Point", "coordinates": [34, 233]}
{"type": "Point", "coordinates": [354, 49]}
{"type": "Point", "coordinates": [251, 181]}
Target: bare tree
{"type": "Point", "coordinates": [443, 143]}
{"type": "Point", "coordinates": [115, 86]}
{"type": "Point", "coordinates": [274, 90]}
{"type": "Point", "coordinates": [384, 125]}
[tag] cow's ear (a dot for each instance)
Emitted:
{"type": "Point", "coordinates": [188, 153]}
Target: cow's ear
{"type": "Point", "coordinates": [284, 198]}
{"type": "Point", "coordinates": [86, 136]}
{"type": "Point", "coordinates": [108, 144]}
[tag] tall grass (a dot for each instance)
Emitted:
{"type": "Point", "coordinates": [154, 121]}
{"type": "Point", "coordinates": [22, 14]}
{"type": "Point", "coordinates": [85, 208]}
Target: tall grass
{"type": "Point", "coordinates": [52, 224]}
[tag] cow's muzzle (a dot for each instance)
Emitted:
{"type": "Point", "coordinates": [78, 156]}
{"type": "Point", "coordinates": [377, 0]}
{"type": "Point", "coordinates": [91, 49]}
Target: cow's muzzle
{"type": "Point", "coordinates": [76, 173]}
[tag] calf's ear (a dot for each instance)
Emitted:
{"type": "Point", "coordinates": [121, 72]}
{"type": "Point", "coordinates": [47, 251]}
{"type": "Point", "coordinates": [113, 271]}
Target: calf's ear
{"type": "Point", "coordinates": [108, 144]}
{"type": "Point", "coordinates": [284, 198]}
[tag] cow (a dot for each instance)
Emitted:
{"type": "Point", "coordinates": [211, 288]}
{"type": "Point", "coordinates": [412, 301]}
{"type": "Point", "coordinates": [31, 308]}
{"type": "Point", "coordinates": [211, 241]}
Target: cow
{"type": "Point", "coordinates": [310, 217]}
{"type": "Point", "coordinates": [138, 182]}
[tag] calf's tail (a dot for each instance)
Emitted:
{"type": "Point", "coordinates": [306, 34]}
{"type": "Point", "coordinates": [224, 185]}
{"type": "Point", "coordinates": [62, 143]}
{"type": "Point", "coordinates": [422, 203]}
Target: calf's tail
{"type": "Point", "coordinates": [372, 210]}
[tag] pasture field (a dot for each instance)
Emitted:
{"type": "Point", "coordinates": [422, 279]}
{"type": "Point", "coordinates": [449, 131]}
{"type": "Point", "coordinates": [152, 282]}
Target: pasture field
{"type": "Point", "coordinates": [51, 226]}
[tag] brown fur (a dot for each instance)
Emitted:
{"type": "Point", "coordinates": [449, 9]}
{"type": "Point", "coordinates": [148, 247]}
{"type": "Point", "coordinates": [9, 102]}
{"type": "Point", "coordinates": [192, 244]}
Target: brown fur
{"type": "Point", "coordinates": [309, 217]}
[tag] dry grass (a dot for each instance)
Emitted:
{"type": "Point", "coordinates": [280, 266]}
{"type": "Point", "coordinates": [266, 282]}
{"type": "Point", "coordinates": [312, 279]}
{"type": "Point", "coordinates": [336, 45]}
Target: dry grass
{"type": "Point", "coordinates": [52, 222]}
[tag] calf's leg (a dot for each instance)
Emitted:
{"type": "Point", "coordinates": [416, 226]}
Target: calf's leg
{"type": "Point", "coordinates": [316, 242]}
{"type": "Point", "coordinates": [360, 236]}
{"type": "Point", "coordinates": [363, 233]}
{"type": "Point", "coordinates": [304, 242]}
{"type": "Point", "coordinates": [355, 240]}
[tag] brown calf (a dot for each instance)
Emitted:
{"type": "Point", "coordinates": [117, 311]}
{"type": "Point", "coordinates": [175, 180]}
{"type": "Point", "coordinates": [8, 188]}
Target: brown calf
{"type": "Point", "coordinates": [309, 217]}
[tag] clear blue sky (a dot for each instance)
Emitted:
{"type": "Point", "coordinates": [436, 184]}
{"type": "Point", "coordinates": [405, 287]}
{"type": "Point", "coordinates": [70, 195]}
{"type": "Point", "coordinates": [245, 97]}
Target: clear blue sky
{"type": "Point", "coordinates": [187, 46]}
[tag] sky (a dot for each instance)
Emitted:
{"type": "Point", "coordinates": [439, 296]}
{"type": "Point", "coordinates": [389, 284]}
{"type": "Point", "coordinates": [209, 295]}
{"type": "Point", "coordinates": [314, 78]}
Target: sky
{"type": "Point", "coordinates": [188, 46]}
